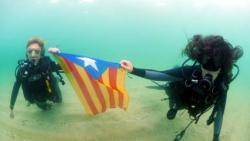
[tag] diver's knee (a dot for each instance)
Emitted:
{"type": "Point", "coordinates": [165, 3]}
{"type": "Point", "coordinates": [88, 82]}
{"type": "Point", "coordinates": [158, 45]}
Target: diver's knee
{"type": "Point", "coordinates": [44, 105]}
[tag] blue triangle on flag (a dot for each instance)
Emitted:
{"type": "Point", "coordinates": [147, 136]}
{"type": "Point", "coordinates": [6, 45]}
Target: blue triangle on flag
{"type": "Point", "coordinates": [95, 67]}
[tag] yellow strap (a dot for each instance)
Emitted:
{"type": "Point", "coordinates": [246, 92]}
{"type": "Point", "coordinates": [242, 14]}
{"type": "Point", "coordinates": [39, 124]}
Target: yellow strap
{"type": "Point", "coordinates": [48, 86]}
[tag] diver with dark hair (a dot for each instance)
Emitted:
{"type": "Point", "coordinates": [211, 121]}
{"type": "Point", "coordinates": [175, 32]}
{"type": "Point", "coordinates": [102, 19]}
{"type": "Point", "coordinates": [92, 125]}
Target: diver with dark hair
{"type": "Point", "coordinates": [35, 76]}
{"type": "Point", "coordinates": [200, 86]}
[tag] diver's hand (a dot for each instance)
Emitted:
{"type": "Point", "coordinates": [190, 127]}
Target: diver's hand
{"type": "Point", "coordinates": [54, 50]}
{"type": "Point", "coordinates": [216, 138]}
{"type": "Point", "coordinates": [12, 115]}
{"type": "Point", "coordinates": [127, 65]}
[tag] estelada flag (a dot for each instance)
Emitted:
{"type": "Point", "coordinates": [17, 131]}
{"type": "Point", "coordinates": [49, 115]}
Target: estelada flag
{"type": "Point", "coordinates": [99, 84]}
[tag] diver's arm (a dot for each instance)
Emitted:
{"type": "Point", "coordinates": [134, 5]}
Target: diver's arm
{"type": "Point", "coordinates": [219, 112]}
{"type": "Point", "coordinates": [56, 67]}
{"type": "Point", "coordinates": [155, 75]}
{"type": "Point", "coordinates": [14, 94]}
{"type": "Point", "coordinates": [167, 75]}
{"type": "Point", "coordinates": [16, 88]}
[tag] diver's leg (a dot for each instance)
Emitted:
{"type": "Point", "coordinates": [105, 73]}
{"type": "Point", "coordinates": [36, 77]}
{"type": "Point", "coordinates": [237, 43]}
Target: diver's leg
{"type": "Point", "coordinates": [44, 105]}
{"type": "Point", "coordinates": [28, 96]}
{"type": "Point", "coordinates": [57, 95]}
{"type": "Point", "coordinates": [173, 105]}
{"type": "Point", "coordinates": [172, 111]}
{"type": "Point", "coordinates": [41, 101]}
{"type": "Point", "coordinates": [174, 91]}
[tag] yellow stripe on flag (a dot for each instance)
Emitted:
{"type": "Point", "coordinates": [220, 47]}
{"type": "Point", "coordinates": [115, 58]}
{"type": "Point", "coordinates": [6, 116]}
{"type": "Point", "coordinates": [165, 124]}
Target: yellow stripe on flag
{"type": "Point", "coordinates": [74, 85]}
{"type": "Point", "coordinates": [105, 94]}
{"type": "Point", "coordinates": [90, 88]}
{"type": "Point", "coordinates": [116, 98]}
{"type": "Point", "coordinates": [105, 78]}
{"type": "Point", "coordinates": [120, 83]}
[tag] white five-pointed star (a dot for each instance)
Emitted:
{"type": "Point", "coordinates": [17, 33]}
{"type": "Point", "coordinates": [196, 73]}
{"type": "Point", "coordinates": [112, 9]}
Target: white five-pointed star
{"type": "Point", "coordinates": [89, 62]}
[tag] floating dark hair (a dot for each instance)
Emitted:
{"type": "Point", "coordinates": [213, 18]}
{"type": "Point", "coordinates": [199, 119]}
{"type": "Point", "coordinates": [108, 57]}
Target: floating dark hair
{"type": "Point", "coordinates": [215, 47]}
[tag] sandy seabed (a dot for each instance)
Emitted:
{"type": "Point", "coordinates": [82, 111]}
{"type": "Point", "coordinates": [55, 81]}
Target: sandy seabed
{"type": "Point", "coordinates": [145, 119]}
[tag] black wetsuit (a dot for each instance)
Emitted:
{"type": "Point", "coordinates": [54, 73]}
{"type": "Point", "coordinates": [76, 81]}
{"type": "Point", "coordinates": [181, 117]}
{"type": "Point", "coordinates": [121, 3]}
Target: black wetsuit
{"type": "Point", "coordinates": [180, 94]}
{"type": "Point", "coordinates": [37, 81]}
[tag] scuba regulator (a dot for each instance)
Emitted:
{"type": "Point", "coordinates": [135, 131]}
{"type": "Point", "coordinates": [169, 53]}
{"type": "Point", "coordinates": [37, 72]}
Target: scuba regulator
{"type": "Point", "coordinates": [200, 84]}
{"type": "Point", "coordinates": [24, 65]}
{"type": "Point", "coordinates": [203, 83]}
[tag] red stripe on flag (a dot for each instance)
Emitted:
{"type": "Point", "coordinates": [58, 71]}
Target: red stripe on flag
{"type": "Point", "coordinates": [98, 92]}
{"type": "Point", "coordinates": [111, 97]}
{"type": "Point", "coordinates": [82, 86]}
{"type": "Point", "coordinates": [112, 77]}
{"type": "Point", "coordinates": [112, 80]}
{"type": "Point", "coordinates": [120, 99]}
{"type": "Point", "coordinates": [100, 79]}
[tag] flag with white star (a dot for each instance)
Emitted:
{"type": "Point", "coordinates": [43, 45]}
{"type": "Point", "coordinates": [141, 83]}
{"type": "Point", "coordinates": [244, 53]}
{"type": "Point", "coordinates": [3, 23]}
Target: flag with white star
{"type": "Point", "coordinates": [99, 84]}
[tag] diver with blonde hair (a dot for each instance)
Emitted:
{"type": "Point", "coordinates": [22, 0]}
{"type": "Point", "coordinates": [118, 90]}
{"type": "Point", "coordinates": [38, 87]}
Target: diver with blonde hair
{"type": "Point", "coordinates": [35, 75]}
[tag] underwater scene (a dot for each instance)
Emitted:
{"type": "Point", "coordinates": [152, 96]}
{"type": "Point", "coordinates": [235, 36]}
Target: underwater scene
{"type": "Point", "coordinates": [152, 34]}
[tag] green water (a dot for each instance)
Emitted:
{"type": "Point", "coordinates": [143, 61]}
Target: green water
{"type": "Point", "coordinates": [150, 33]}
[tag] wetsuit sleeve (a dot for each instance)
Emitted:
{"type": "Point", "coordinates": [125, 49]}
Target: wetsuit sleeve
{"type": "Point", "coordinates": [55, 67]}
{"type": "Point", "coordinates": [15, 90]}
{"type": "Point", "coordinates": [219, 112]}
{"type": "Point", "coordinates": [167, 75]}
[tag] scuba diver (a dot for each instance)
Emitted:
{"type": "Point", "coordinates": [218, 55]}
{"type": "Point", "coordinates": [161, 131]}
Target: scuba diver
{"type": "Point", "coordinates": [200, 86]}
{"type": "Point", "coordinates": [35, 76]}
